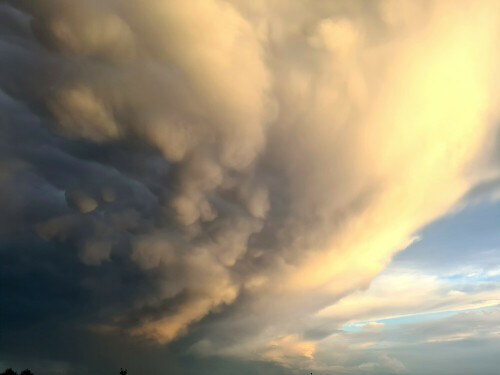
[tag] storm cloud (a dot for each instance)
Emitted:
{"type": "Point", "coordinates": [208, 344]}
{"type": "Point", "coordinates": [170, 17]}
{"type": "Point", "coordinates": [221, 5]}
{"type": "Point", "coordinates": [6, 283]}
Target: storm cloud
{"type": "Point", "coordinates": [209, 173]}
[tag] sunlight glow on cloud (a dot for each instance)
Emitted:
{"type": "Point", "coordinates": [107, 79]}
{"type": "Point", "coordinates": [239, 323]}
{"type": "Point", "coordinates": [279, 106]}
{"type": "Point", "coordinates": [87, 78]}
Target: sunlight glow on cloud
{"type": "Point", "coordinates": [403, 293]}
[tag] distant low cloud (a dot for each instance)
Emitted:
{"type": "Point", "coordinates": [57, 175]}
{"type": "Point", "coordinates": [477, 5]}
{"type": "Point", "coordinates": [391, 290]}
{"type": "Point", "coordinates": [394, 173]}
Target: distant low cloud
{"type": "Point", "coordinates": [407, 293]}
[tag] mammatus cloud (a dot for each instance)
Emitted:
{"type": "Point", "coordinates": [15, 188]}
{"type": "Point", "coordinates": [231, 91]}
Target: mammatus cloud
{"type": "Point", "coordinates": [266, 159]}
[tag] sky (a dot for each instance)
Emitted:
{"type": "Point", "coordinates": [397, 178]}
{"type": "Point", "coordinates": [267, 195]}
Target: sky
{"type": "Point", "coordinates": [269, 187]}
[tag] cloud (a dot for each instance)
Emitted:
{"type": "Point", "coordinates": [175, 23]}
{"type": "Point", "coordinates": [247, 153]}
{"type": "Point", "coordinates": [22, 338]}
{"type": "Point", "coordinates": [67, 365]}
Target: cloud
{"type": "Point", "coordinates": [412, 347]}
{"type": "Point", "coordinates": [234, 166]}
{"type": "Point", "coordinates": [404, 292]}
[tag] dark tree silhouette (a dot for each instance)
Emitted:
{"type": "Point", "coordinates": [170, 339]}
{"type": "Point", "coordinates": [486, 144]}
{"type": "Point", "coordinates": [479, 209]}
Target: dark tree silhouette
{"type": "Point", "coordinates": [123, 372]}
{"type": "Point", "coordinates": [9, 371]}
{"type": "Point", "coordinates": [26, 372]}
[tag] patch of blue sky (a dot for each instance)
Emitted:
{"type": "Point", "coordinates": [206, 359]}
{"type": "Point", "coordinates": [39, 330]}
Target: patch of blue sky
{"type": "Point", "coordinates": [465, 239]}
{"type": "Point", "coordinates": [394, 322]}
{"type": "Point", "coordinates": [466, 280]}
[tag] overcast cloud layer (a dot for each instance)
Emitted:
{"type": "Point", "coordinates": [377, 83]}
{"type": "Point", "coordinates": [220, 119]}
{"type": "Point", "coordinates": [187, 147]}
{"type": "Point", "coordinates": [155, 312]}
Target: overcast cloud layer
{"type": "Point", "coordinates": [222, 180]}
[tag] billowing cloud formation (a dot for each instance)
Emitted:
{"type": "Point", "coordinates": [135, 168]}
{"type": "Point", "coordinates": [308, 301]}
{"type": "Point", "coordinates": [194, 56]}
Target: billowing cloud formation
{"type": "Point", "coordinates": [265, 158]}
